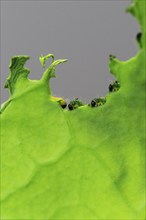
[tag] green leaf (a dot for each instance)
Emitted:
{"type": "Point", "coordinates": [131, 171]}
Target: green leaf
{"type": "Point", "coordinates": [88, 163]}
{"type": "Point", "coordinates": [17, 72]}
{"type": "Point", "coordinates": [44, 58]}
{"type": "Point", "coordinates": [50, 71]}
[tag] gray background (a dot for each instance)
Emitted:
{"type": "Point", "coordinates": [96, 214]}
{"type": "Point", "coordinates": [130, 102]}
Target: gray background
{"type": "Point", "coordinates": [84, 32]}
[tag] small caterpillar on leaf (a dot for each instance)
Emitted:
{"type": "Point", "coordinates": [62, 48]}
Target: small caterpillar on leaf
{"type": "Point", "coordinates": [75, 103]}
{"type": "Point", "coordinates": [114, 87]}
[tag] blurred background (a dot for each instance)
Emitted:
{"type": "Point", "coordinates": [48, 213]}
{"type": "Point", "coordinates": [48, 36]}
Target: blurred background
{"type": "Point", "coordinates": [84, 32]}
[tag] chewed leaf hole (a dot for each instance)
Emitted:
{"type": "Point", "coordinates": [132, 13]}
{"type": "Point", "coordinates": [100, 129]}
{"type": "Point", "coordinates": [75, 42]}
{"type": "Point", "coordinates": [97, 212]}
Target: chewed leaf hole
{"type": "Point", "coordinates": [96, 102]}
